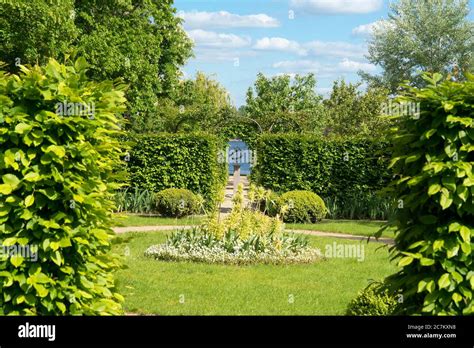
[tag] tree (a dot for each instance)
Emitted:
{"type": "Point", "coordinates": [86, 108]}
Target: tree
{"type": "Point", "coordinates": [353, 113]}
{"type": "Point", "coordinates": [278, 104]}
{"type": "Point", "coordinates": [199, 104]}
{"type": "Point", "coordinates": [422, 36]}
{"type": "Point", "coordinates": [31, 31]}
{"type": "Point", "coordinates": [139, 41]}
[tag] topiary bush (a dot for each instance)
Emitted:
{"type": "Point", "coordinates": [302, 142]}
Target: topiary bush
{"type": "Point", "coordinates": [433, 160]}
{"type": "Point", "coordinates": [57, 169]}
{"type": "Point", "coordinates": [301, 207]}
{"type": "Point", "coordinates": [174, 202]}
{"type": "Point", "coordinates": [374, 300]}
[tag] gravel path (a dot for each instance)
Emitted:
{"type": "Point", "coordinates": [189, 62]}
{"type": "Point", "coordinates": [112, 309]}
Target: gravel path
{"type": "Point", "coordinates": [120, 230]}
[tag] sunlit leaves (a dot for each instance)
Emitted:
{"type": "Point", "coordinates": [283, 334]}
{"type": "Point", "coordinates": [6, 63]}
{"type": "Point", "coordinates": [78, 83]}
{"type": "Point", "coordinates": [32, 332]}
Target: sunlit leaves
{"type": "Point", "coordinates": [437, 218]}
{"type": "Point", "coordinates": [57, 173]}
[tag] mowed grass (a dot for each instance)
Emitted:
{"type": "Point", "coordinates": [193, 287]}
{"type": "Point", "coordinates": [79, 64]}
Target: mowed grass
{"type": "Point", "coordinates": [355, 227]}
{"type": "Point", "coordinates": [183, 288]}
{"type": "Point", "coordinates": [126, 220]}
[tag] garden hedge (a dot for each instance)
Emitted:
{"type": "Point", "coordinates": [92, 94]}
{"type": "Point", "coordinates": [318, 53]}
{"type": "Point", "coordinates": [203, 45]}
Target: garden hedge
{"type": "Point", "coordinates": [287, 162]}
{"type": "Point", "coordinates": [433, 162]}
{"type": "Point", "coordinates": [57, 171]}
{"type": "Point", "coordinates": [186, 161]}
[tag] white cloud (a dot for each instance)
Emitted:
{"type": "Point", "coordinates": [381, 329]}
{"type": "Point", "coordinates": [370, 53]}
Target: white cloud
{"type": "Point", "coordinates": [298, 65]}
{"type": "Point", "coordinates": [335, 49]}
{"type": "Point", "coordinates": [313, 48]}
{"type": "Point", "coordinates": [352, 66]}
{"type": "Point", "coordinates": [323, 70]}
{"type": "Point", "coordinates": [278, 44]}
{"type": "Point", "coordinates": [210, 39]}
{"type": "Point", "coordinates": [336, 6]}
{"type": "Point", "coordinates": [368, 29]}
{"type": "Point", "coordinates": [224, 19]}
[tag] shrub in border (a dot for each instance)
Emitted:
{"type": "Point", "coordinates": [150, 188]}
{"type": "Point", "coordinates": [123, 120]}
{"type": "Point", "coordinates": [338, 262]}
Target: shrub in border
{"type": "Point", "coordinates": [301, 207]}
{"type": "Point", "coordinates": [177, 202]}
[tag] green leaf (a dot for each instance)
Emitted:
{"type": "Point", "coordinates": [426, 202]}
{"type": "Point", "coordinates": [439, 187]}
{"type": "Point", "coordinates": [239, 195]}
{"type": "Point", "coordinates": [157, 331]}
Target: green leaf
{"type": "Point", "coordinates": [32, 177]}
{"type": "Point", "coordinates": [80, 64]}
{"type": "Point", "coordinates": [434, 189]}
{"type": "Point", "coordinates": [57, 150]}
{"type": "Point", "coordinates": [16, 260]}
{"type": "Point", "coordinates": [446, 199]}
{"type": "Point", "coordinates": [405, 261]}
{"type": "Point", "coordinates": [12, 180]}
{"type": "Point", "coordinates": [29, 200]}
{"type": "Point", "coordinates": [21, 128]}
{"type": "Point", "coordinates": [427, 262]}
{"type": "Point", "coordinates": [465, 234]}
{"type": "Point", "coordinates": [444, 281]}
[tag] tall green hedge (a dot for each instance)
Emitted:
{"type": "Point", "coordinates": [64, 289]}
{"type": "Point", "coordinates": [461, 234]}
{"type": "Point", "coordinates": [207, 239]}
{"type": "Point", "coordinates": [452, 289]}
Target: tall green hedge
{"type": "Point", "coordinates": [433, 161]}
{"type": "Point", "coordinates": [189, 161]}
{"type": "Point", "coordinates": [287, 162]}
{"type": "Point", "coordinates": [57, 172]}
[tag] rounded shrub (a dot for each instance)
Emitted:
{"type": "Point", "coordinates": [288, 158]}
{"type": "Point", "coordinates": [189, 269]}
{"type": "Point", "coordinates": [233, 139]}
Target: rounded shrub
{"type": "Point", "coordinates": [301, 207]}
{"type": "Point", "coordinates": [175, 202]}
{"type": "Point", "coordinates": [374, 300]}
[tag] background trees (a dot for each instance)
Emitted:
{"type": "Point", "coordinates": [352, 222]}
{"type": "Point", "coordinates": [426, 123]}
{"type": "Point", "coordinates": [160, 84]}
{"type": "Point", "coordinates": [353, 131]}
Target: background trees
{"type": "Point", "coordinates": [279, 104]}
{"type": "Point", "coordinates": [422, 36]}
{"type": "Point", "coordinates": [352, 112]}
{"type": "Point", "coordinates": [141, 42]}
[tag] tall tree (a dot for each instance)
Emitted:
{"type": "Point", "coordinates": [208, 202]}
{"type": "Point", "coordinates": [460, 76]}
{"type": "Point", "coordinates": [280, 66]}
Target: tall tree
{"type": "Point", "coordinates": [422, 36]}
{"type": "Point", "coordinates": [353, 113]}
{"type": "Point", "coordinates": [140, 41]}
{"type": "Point", "coordinates": [199, 104]}
{"type": "Point", "coordinates": [278, 104]}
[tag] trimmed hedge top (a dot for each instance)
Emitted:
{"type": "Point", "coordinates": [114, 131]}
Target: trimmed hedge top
{"type": "Point", "coordinates": [289, 162]}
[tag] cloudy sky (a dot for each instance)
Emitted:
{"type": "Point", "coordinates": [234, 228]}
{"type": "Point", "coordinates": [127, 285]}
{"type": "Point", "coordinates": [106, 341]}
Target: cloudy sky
{"type": "Point", "coordinates": [236, 39]}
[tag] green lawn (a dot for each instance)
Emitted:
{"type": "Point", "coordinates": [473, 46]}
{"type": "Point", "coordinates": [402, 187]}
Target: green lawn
{"type": "Point", "coordinates": [181, 288]}
{"type": "Point", "coordinates": [356, 227]}
{"type": "Point", "coordinates": [125, 220]}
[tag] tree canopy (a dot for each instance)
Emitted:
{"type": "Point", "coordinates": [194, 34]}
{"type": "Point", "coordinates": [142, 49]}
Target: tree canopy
{"type": "Point", "coordinates": [422, 36]}
{"type": "Point", "coordinates": [140, 41]}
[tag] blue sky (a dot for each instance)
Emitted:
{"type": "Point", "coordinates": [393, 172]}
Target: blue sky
{"type": "Point", "coordinates": [236, 39]}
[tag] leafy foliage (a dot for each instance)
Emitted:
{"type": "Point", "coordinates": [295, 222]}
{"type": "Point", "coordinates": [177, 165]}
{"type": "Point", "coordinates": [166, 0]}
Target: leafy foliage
{"type": "Point", "coordinates": [339, 169]}
{"type": "Point", "coordinates": [279, 105]}
{"type": "Point", "coordinates": [301, 207]}
{"type": "Point", "coordinates": [422, 36]}
{"type": "Point", "coordinates": [174, 202]}
{"type": "Point", "coordinates": [374, 300]}
{"type": "Point", "coordinates": [134, 200]}
{"type": "Point", "coordinates": [352, 113]}
{"type": "Point", "coordinates": [140, 41]}
{"type": "Point", "coordinates": [188, 161]}
{"type": "Point", "coordinates": [58, 177]}
{"type": "Point", "coordinates": [199, 104]}
{"type": "Point", "coordinates": [433, 162]}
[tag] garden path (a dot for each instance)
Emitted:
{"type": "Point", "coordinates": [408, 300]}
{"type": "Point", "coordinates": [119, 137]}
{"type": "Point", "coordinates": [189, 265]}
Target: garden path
{"type": "Point", "coordinates": [388, 241]}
